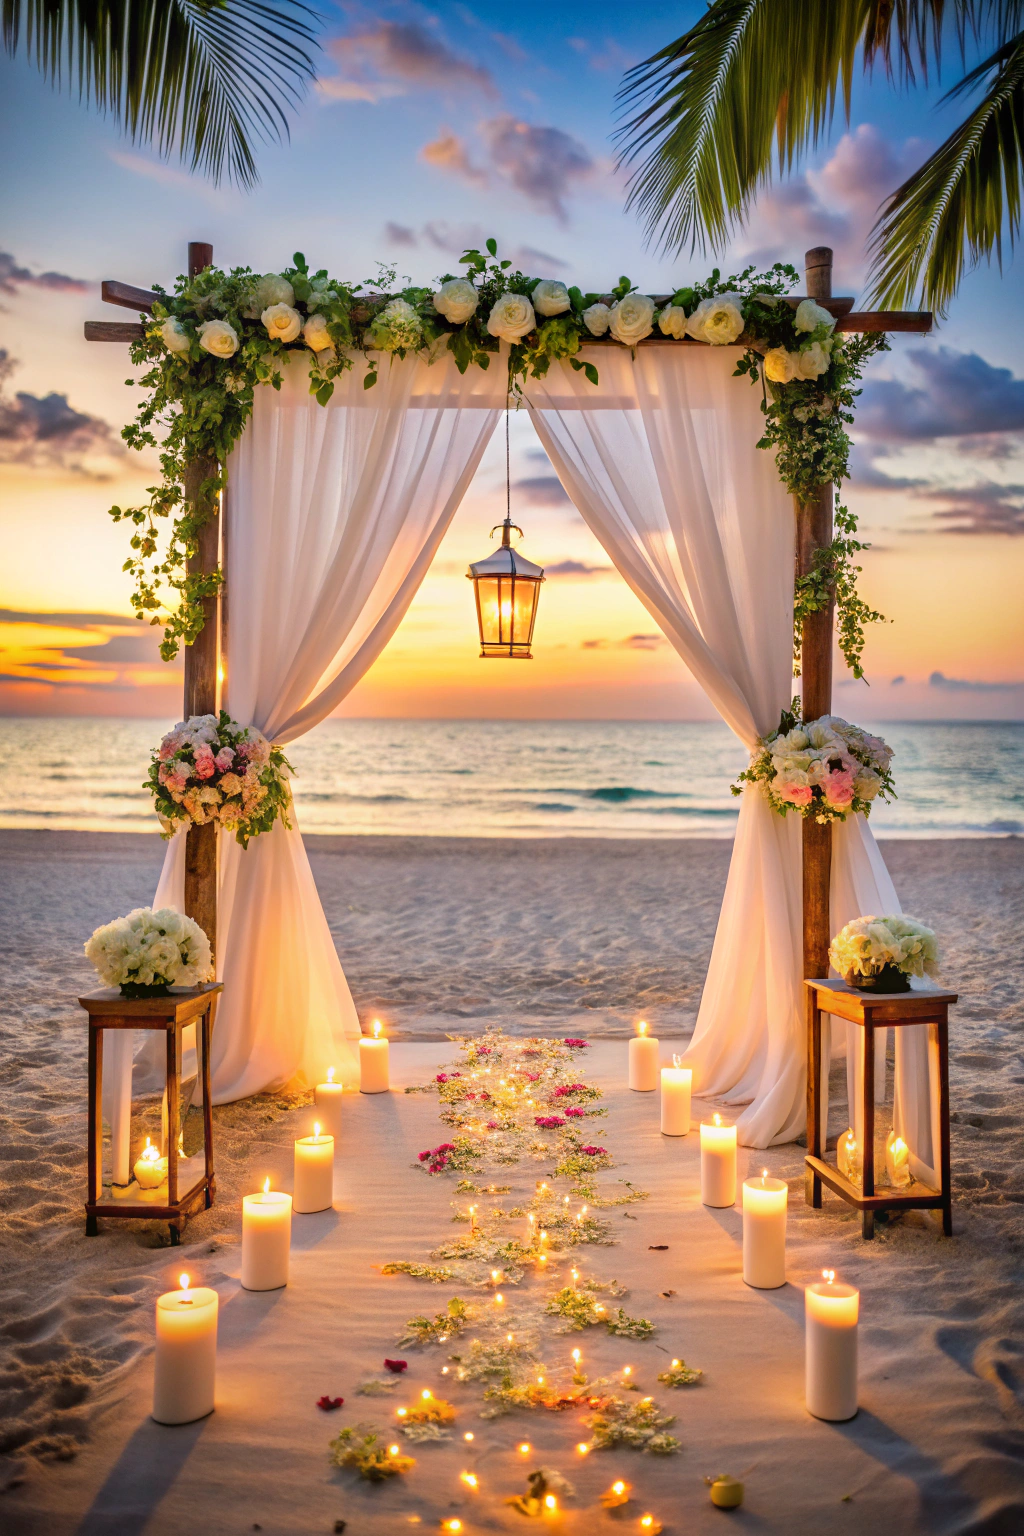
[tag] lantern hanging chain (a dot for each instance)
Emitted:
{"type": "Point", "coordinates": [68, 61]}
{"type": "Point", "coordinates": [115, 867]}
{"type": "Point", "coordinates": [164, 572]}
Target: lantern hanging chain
{"type": "Point", "coordinates": [508, 527]}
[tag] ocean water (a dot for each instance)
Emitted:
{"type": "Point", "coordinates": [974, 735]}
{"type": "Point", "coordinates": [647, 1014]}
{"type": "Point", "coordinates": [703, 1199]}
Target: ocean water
{"type": "Point", "coordinates": [510, 778]}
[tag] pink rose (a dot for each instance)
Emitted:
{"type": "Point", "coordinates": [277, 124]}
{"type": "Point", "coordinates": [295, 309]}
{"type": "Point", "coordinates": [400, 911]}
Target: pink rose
{"type": "Point", "coordinates": [225, 757]}
{"type": "Point", "coordinates": [205, 767]}
{"type": "Point", "coordinates": [795, 794]}
{"type": "Point", "coordinates": [838, 789]}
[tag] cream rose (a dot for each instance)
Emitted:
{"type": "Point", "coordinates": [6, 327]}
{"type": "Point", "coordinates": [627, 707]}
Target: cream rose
{"type": "Point", "coordinates": [551, 297]}
{"type": "Point", "coordinates": [457, 300]}
{"type": "Point", "coordinates": [810, 315]}
{"type": "Point", "coordinates": [718, 320]}
{"type": "Point", "coordinates": [315, 333]}
{"type": "Point", "coordinates": [672, 321]}
{"type": "Point", "coordinates": [218, 338]}
{"type": "Point", "coordinates": [811, 361]}
{"type": "Point", "coordinates": [597, 318]}
{"type": "Point", "coordinates": [780, 365]}
{"type": "Point", "coordinates": [174, 336]}
{"type": "Point", "coordinates": [283, 323]}
{"type": "Point", "coordinates": [269, 290]}
{"type": "Point", "coordinates": [632, 318]}
{"type": "Point", "coordinates": [512, 317]}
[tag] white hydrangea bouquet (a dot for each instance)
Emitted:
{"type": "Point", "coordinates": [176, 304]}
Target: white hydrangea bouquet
{"type": "Point", "coordinates": [827, 769]}
{"type": "Point", "coordinates": [882, 953]}
{"type": "Point", "coordinates": [147, 952]}
{"type": "Point", "coordinates": [210, 769]}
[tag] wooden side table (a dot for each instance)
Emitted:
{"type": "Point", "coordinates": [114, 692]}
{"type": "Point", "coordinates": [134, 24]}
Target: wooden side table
{"type": "Point", "coordinates": [109, 1010]}
{"type": "Point", "coordinates": [875, 1010]}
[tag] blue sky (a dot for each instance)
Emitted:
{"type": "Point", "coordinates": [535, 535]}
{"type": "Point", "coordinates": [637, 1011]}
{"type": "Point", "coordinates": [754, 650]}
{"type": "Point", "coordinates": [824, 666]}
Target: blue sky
{"type": "Point", "coordinates": [437, 126]}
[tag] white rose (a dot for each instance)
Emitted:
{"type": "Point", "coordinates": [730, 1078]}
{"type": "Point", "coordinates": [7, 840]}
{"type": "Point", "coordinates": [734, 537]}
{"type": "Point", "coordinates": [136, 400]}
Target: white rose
{"type": "Point", "coordinates": [723, 321]}
{"type": "Point", "coordinates": [632, 318]}
{"type": "Point", "coordinates": [270, 290]}
{"type": "Point", "coordinates": [780, 365]}
{"type": "Point", "coordinates": [596, 319]}
{"type": "Point", "coordinates": [512, 317]}
{"type": "Point", "coordinates": [811, 361]}
{"type": "Point", "coordinates": [551, 297]}
{"type": "Point", "coordinates": [283, 323]}
{"type": "Point", "coordinates": [457, 300]}
{"type": "Point", "coordinates": [315, 333]}
{"type": "Point", "coordinates": [174, 336]}
{"type": "Point", "coordinates": [810, 315]}
{"type": "Point", "coordinates": [218, 338]}
{"type": "Point", "coordinates": [866, 784]}
{"type": "Point", "coordinates": [672, 321]}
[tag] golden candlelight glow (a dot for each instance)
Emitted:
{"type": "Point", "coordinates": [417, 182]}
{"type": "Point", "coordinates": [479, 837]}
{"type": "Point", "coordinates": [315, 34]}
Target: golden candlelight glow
{"type": "Point", "coordinates": [454, 1525]}
{"type": "Point", "coordinates": [330, 1074]}
{"type": "Point", "coordinates": [495, 1275]}
{"type": "Point", "coordinates": [717, 1119]}
{"type": "Point", "coordinates": [627, 1370]}
{"type": "Point", "coordinates": [376, 1029]}
{"type": "Point", "coordinates": [444, 1370]}
{"type": "Point", "coordinates": [316, 1130]}
{"type": "Point", "coordinates": [393, 1450]}
{"type": "Point", "coordinates": [576, 1355]}
{"type": "Point", "coordinates": [266, 1186]}
{"type": "Point", "coordinates": [676, 1364]}
{"type": "Point", "coordinates": [401, 1412]}
{"type": "Point", "coordinates": [469, 1435]}
{"type": "Point", "coordinates": [583, 1448]}
{"type": "Point", "coordinates": [426, 1394]}
{"type": "Point", "coordinates": [470, 1479]}
{"type": "Point", "coordinates": [828, 1275]}
{"type": "Point", "coordinates": [149, 1153]}
{"type": "Point", "coordinates": [540, 1381]}
{"type": "Point", "coordinates": [619, 1487]}
{"type": "Point", "coordinates": [183, 1282]}
{"type": "Point", "coordinates": [524, 1449]}
{"type": "Point", "coordinates": [508, 1338]}
{"type": "Point", "coordinates": [543, 1259]}
{"type": "Point", "coordinates": [641, 1028]}
{"type": "Point", "coordinates": [550, 1502]}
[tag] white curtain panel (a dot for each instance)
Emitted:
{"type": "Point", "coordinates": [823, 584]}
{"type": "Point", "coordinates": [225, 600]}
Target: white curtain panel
{"type": "Point", "coordinates": [662, 462]}
{"type": "Point", "coordinates": [335, 515]}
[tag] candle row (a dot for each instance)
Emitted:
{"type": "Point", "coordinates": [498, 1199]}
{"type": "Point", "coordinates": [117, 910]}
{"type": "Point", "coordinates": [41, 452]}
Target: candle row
{"type": "Point", "coordinates": [831, 1311]}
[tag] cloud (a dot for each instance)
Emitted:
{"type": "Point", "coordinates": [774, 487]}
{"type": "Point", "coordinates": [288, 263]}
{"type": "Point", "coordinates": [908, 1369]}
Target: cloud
{"type": "Point", "coordinates": [954, 394]}
{"type": "Point", "coordinates": [13, 277]}
{"type": "Point", "coordinates": [399, 234]}
{"type": "Point", "coordinates": [969, 685]}
{"type": "Point", "coordinates": [119, 650]}
{"type": "Point", "coordinates": [540, 491]}
{"type": "Point", "coordinates": [611, 56]}
{"type": "Point", "coordinates": [643, 642]}
{"type": "Point", "coordinates": [984, 508]}
{"type": "Point", "coordinates": [385, 59]}
{"type": "Point", "coordinates": [542, 163]}
{"type": "Point", "coordinates": [897, 682]}
{"type": "Point", "coordinates": [576, 568]}
{"type": "Point", "coordinates": [45, 432]}
{"type": "Point", "coordinates": [453, 239]}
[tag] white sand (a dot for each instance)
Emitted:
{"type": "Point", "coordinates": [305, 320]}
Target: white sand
{"type": "Point", "coordinates": [557, 938]}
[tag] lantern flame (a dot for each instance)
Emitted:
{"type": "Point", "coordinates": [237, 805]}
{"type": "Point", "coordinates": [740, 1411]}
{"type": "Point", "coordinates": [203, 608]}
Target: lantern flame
{"type": "Point", "coordinates": [149, 1153]}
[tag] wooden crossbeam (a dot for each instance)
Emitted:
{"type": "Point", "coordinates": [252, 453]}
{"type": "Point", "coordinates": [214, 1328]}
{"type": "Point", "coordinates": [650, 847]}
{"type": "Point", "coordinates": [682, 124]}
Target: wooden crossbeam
{"type": "Point", "coordinates": [113, 330]}
{"type": "Point", "coordinates": [128, 297]}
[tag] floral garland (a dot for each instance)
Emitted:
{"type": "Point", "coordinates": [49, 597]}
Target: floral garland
{"type": "Point", "coordinates": [826, 769]}
{"type": "Point", "coordinates": [220, 334]}
{"type": "Point", "coordinates": [210, 769]}
{"type": "Point", "coordinates": [494, 1333]}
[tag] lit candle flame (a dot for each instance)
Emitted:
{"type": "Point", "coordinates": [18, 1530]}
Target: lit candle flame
{"type": "Point", "coordinates": [717, 1119]}
{"type": "Point", "coordinates": [583, 1448]}
{"type": "Point", "coordinates": [764, 1175]}
{"type": "Point", "coordinates": [550, 1502]}
{"type": "Point", "coordinates": [393, 1450]}
{"type": "Point", "coordinates": [619, 1487]}
{"type": "Point", "coordinates": [183, 1282]}
{"type": "Point", "coordinates": [316, 1130]}
{"type": "Point", "coordinates": [524, 1449]}
{"type": "Point", "coordinates": [330, 1074]}
{"type": "Point", "coordinates": [576, 1355]}
{"type": "Point", "coordinates": [426, 1394]}
{"type": "Point", "coordinates": [828, 1275]}
{"type": "Point", "coordinates": [469, 1435]}
{"type": "Point", "coordinates": [627, 1370]}
{"type": "Point", "coordinates": [676, 1364]}
{"type": "Point", "coordinates": [266, 1186]}
{"type": "Point", "coordinates": [641, 1028]}
{"type": "Point", "coordinates": [149, 1153]}
{"type": "Point", "coordinates": [677, 1060]}
{"type": "Point", "coordinates": [376, 1029]}
{"type": "Point", "coordinates": [499, 1298]}
{"type": "Point", "coordinates": [470, 1479]}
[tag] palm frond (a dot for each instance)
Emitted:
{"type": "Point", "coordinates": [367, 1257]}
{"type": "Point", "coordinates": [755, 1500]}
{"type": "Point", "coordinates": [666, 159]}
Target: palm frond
{"type": "Point", "coordinates": [963, 201]}
{"type": "Point", "coordinates": [745, 91]}
{"type": "Point", "coordinates": [201, 78]}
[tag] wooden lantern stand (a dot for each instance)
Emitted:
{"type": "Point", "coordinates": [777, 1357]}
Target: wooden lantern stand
{"type": "Point", "coordinates": [109, 1010]}
{"type": "Point", "coordinates": [877, 1010]}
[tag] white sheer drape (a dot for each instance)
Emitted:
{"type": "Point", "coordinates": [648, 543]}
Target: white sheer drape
{"type": "Point", "coordinates": [662, 463]}
{"type": "Point", "coordinates": [336, 514]}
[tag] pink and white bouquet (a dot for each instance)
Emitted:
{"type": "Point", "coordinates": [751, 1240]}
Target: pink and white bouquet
{"type": "Point", "coordinates": [210, 769]}
{"type": "Point", "coordinates": [826, 768]}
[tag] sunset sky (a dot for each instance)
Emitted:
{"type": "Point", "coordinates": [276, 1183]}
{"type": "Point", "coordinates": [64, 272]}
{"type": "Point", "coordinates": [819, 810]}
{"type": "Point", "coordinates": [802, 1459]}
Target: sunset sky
{"type": "Point", "coordinates": [432, 128]}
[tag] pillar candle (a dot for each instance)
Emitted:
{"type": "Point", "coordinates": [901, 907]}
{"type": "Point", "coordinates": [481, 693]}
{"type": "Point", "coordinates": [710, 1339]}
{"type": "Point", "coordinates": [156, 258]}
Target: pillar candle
{"type": "Point", "coordinates": [676, 1082]}
{"type": "Point", "coordinates": [764, 1232]}
{"type": "Point", "coordinates": [186, 1354]}
{"type": "Point", "coordinates": [717, 1162]}
{"type": "Point", "coordinates": [314, 1173]}
{"type": "Point", "coordinates": [327, 1098]}
{"type": "Point", "coordinates": [643, 1061]}
{"type": "Point", "coordinates": [831, 1313]}
{"type": "Point", "coordinates": [266, 1239]}
{"type": "Point", "coordinates": [373, 1062]}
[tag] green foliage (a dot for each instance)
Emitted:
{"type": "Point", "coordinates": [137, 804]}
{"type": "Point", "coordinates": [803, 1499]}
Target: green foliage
{"type": "Point", "coordinates": [626, 1327]}
{"type": "Point", "coordinates": [436, 1274]}
{"type": "Point", "coordinates": [718, 113]}
{"type": "Point", "coordinates": [201, 78]}
{"type": "Point", "coordinates": [580, 1306]}
{"type": "Point", "coordinates": [438, 1329]}
{"type": "Point", "coordinates": [833, 578]}
{"type": "Point", "coordinates": [680, 1374]}
{"type": "Point", "coordinates": [365, 1450]}
{"type": "Point", "coordinates": [246, 799]}
{"type": "Point", "coordinates": [640, 1426]}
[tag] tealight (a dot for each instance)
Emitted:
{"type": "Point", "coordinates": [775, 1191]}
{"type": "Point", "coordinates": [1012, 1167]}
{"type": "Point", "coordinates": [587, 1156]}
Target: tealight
{"type": "Point", "coordinates": [150, 1168]}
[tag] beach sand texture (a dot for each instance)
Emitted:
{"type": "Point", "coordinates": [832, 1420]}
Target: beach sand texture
{"type": "Point", "coordinates": [541, 937]}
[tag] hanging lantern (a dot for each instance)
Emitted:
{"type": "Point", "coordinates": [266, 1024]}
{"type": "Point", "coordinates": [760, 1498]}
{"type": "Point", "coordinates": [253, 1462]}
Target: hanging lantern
{"type": "Point", "coordinates": [507, 589]}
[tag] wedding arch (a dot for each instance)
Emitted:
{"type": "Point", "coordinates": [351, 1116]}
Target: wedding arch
{"type": "Point", "coordinates": [308, 522]}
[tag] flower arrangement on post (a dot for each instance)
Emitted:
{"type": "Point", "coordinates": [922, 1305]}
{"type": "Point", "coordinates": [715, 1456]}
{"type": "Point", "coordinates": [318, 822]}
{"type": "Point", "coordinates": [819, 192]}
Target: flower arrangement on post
{"type": "Point", "coordinates": [880, 954]}
{"type": "Point", "coordinates": [147, 952]}
{"type": "Point", "coordinates": [826, 769]}
{"type": "Point", "coordinates": [210, 769]}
